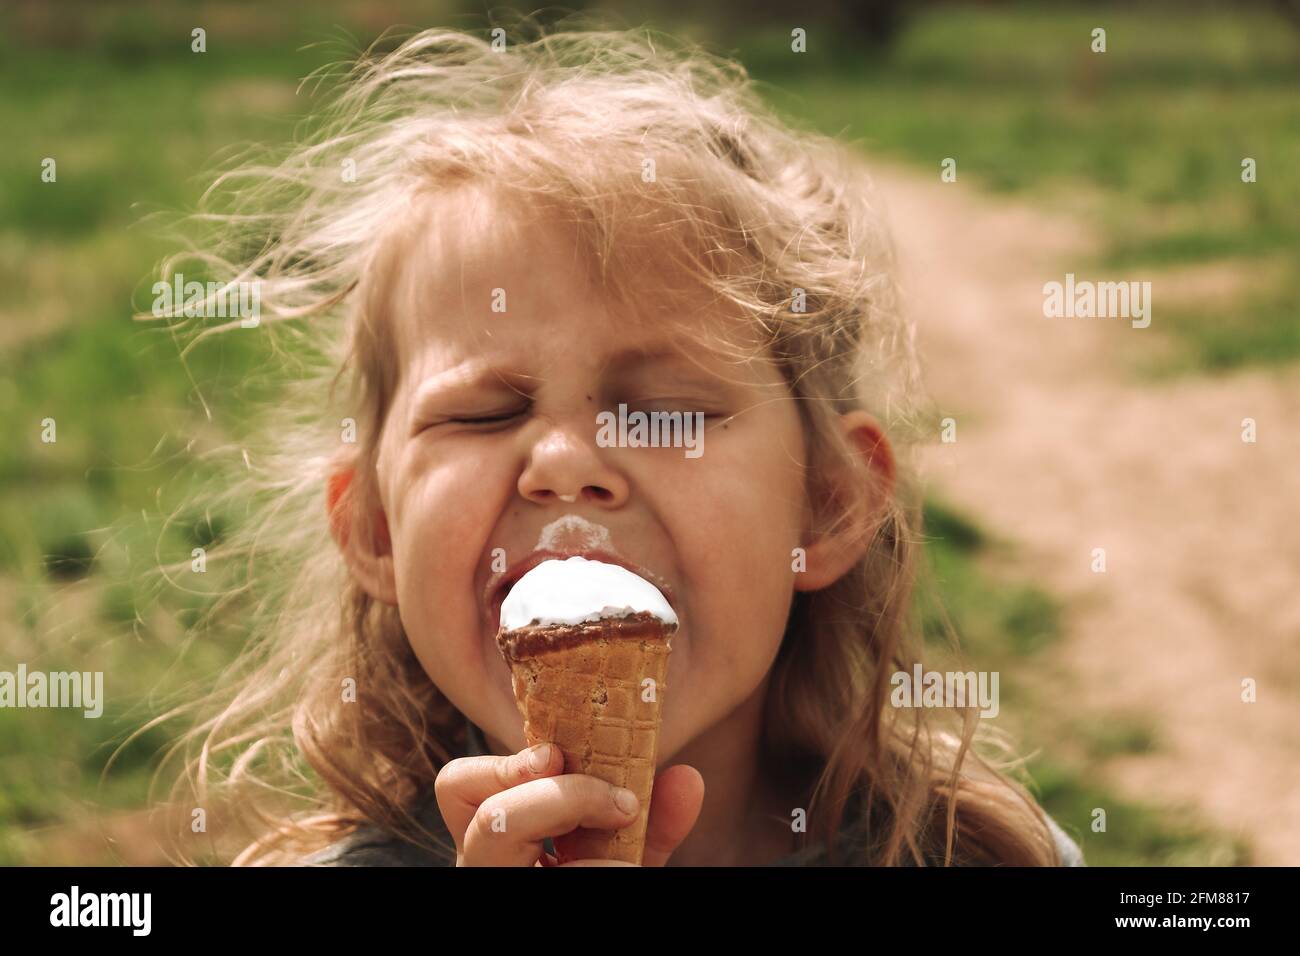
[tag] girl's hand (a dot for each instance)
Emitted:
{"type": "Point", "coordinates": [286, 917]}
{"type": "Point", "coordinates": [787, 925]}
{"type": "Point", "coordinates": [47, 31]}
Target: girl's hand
{"type": "Point", "coordinates": [527, 805]}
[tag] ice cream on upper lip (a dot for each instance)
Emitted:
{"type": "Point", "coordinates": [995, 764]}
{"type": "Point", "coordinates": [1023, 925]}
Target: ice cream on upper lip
{"type": "Point", "coordinates": [577, 590]}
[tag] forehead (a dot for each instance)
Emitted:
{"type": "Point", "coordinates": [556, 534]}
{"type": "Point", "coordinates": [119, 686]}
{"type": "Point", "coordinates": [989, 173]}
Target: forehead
{"type": "Point", "coordinates": [481, 270]}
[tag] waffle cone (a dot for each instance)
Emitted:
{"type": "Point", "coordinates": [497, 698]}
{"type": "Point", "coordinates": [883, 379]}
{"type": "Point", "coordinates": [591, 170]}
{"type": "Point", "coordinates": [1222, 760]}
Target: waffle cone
{"type": "Point", "coordinates": [583, 688]}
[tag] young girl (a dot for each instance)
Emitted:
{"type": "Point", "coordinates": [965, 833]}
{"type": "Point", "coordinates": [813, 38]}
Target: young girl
{"type": "Point", "coordinates": [489, 244]}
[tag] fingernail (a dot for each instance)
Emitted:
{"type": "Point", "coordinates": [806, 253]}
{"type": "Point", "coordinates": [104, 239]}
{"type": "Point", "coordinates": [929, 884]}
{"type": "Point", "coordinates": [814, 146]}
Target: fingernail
{"type": "Point", "coordinates": [626, 800]}
{"type": "Point", "coordinates": [540, 758]}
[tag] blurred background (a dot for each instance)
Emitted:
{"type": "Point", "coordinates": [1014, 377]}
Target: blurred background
{"type": "Point", "coordinates": [1072, 434]}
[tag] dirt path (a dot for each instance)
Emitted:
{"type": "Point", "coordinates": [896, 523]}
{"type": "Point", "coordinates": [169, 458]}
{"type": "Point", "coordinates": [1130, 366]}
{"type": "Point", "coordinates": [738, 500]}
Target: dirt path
{"type": "Point", "coordinates": [1061, 450]}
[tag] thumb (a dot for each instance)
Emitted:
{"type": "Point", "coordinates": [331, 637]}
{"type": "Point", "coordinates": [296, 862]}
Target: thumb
{"type": "Point", "coordinates": [675, 805]}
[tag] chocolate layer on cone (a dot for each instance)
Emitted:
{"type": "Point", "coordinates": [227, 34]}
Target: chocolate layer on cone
{"type": "Point", "coordinates": [526, 642]}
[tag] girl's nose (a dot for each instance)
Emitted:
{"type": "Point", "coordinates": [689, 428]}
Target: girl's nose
{"type": "Point", "coordinates": [567, 466]}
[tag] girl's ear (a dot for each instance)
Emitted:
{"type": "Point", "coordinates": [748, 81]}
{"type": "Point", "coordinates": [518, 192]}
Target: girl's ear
{"type": "Point", "coordinates": [857, 495]}
{"type": "Point", "coordinates": [370, 562]}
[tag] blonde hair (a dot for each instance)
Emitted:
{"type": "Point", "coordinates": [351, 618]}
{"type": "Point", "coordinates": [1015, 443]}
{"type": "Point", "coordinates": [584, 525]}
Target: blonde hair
{"type": "Point", "coordinates": [756, 212]}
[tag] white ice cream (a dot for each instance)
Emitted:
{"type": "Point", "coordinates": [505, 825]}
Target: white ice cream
{"type": "Point", "coordinates": [575, 533]}
{"type": "Point", "coordinates": [576, 590]}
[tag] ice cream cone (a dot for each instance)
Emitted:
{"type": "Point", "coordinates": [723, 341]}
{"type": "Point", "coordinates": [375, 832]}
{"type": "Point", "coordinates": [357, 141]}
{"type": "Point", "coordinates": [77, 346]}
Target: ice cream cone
{"type": "Point", "coordinates": [596, 690]}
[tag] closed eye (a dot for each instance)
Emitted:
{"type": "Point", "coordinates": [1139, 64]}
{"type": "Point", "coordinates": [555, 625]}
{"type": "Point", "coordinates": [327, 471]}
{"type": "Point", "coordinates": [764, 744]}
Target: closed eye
{"type": "Point", "coordinates": [475, 422]}
{"type": "Point", "coordinates": [497, 419]}
{"type": "Point", "coordinates": [485, 419]}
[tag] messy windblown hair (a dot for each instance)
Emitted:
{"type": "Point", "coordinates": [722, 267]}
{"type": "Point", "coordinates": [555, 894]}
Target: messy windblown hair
{"type": "Point", "coordinates": [749, 208]}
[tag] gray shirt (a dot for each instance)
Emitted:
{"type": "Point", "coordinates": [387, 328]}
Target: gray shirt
{"type": "Point", "coordinates": [370, 845]}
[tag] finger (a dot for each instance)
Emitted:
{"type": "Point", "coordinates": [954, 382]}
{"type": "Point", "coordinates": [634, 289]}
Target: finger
{"type": "Point", "coordinates": [508, 828]}
{"type": "Point", "coordinates": [675, 805]}
{"type": "Point", "coordinates": [464, 783]}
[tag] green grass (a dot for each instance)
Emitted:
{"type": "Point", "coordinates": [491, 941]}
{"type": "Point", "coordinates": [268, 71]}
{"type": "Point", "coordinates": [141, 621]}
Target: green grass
{"type": "Point", "coordinates": [1002, 624]}
{"type": "Point", "coordinates": [1122, 737]}
{"type": "Point", "coordinates": [130, 122]}
{"type": "Point", "coordinates": [1146, 139]}
{"type": "Point", "coordinates": [1152, 135]}
{"type": "Point", "coordinates": [991, 616]}
{"type": "Point", "coordinates": [1136, 834]}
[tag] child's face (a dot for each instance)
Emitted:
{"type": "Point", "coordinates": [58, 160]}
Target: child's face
{"type": "Point", "coordinates": [718, 529]}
